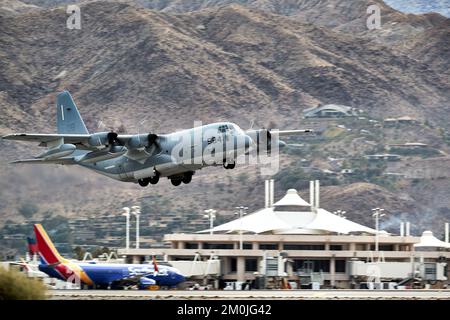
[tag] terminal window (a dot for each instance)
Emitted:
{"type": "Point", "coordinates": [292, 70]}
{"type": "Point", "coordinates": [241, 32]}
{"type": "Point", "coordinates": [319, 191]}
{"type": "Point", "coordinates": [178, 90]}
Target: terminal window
{"type": "Point", "coordinates": [190, 245]}
{"type": "Point", "coordinates": [268, 246]}
{"type": "Point", "coordinates": [340, 266]}
{"type": "Point", "coordinates": [233, 264]}
{"type": "Point", "coordinates": [301, 265]}
{"type": "Point", "coordinates": [303, 247]}
{"type": "Point", "coordinates": [251, 265]}
{"type": "Point", "coordinates": [383, 247]}
{"type": "Point", "coordinates": [218, 246]}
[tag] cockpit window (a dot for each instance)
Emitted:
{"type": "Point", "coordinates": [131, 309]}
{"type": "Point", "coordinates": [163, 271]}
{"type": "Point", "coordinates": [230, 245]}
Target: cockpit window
{"type": "Point", "coordinates": [223, 128]}
{"type": "Point", "coordinates": [228, 128]}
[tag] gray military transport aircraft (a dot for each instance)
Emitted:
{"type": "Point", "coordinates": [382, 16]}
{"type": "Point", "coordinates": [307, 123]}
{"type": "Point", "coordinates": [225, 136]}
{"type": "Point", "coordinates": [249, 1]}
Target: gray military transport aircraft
{"type": "Point", "coordinates": [144, 158]}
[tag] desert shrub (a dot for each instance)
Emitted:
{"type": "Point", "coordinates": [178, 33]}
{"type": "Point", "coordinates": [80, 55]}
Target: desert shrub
{"type": "Point", "coordinates": [16, 286]}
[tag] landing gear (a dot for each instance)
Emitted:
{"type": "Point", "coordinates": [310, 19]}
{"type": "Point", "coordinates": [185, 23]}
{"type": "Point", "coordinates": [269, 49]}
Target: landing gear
{"type": "Point", "coordinates": [144, 182]}
{"type": "Point", "coordinates": [154, 179]}
{"type": "Point", "coordinates": [229, 164]}
{"type": "Point", "coordinates": [187, 178]}
{"type": "Point", "coordinates": [178, 179]}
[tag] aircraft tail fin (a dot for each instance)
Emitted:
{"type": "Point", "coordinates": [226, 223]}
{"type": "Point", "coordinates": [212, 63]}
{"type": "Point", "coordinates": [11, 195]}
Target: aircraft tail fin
{"type": "Point", "coordinates": [47, 251]}
{"type": "Point", "coordinates": [68, 118]}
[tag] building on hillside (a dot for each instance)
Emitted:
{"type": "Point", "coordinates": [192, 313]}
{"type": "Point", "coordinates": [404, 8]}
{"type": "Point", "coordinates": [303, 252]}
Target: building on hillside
{"type": "Point", "coordinates": [329, 111]}
{"type": "Point", "coordinates": [383, 157]}
{"type": "Point", "coordinates": [405, 120]}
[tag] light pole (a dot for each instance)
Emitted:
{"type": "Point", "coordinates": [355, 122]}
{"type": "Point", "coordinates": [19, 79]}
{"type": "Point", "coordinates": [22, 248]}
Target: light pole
{"type": "Point", "coordinates": [211, 215]}
{"type": "Point", "coordinates": [137, 212]}
{"type": "Point", "coordinates": [241, 213]}
{"type": "Point", "coordinates": [127, 237]}
{"type": "Point", "coordinates": [377, 213]}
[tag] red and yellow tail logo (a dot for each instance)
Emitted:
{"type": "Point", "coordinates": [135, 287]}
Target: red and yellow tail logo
{"type": "Point", "coordinates": [46, 248]}
{"type": "Point", "coordinates": [68, 270]}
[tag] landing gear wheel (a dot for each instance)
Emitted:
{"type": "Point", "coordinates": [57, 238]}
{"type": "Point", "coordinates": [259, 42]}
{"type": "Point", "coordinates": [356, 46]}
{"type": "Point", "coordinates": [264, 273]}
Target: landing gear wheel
{"type": "Point", "coordinates": [229, 165]}
{"type": "Point", "coordinates": [175, 182]}
{"type": "Point", "coordinates": [187, 178]}
{"type": "Point", "coordinates": [143, 182]}
{"type": "Point", "coordinates": [154, 179]}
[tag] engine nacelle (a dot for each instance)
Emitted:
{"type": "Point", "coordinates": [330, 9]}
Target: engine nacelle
{"type": "Point", "coordinates": [138, 141]}
{"type": "Point", "coordinates": [99, 139]}
{"type": "Point", "coordinates": [58, 152]}
{"type": "Point", "coordinates": [145, 283]}
{"type": "Point", "coordinates": [141, 140]}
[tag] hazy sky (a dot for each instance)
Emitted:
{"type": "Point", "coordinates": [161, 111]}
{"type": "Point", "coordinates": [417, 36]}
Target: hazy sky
{"type": "Point", "coordinates": [421, 6]}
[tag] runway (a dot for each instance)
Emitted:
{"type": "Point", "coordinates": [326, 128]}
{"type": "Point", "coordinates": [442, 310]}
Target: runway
{"type": "Point", "coordinates": [254, 294]}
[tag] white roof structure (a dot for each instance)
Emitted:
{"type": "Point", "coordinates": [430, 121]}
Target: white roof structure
{"type": "Point", "coordinates": [428, 240]}
{"type": "Point", "coordinates": [291, 199]}
{"type": "Point", "coordinates": [292, 215]}
{"type": "Point", "coordinates": [338, 108]}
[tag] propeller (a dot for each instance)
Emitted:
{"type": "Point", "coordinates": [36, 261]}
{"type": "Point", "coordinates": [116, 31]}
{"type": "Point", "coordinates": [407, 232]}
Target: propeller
{"type": "Point", "coordinates": [152, 139]}
{"type": "Point", "coordinates": [261, 135]}
{"type": "Point", "coordinates": [112, 138]}
{"type": "Point", "coordinates": [115, 145]}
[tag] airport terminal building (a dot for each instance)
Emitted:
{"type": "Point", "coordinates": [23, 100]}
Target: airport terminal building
{"type": "Point", "coordinates": [296, 243]}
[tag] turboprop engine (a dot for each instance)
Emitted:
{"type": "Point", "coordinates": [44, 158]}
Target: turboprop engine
{"type": "Point", "coordinates": [141, 141]}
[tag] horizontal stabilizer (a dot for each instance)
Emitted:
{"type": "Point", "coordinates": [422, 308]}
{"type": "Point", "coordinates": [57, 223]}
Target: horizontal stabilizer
{"type": "Point", "coordinates": [44, 138]}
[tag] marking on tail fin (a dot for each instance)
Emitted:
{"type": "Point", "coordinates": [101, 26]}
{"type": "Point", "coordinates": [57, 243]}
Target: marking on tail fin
{"type": "Point", "coordinates": [46, 248]}
{"type": "Point", "coordinates": [51, 257]}
{"type": "Point", "coordinates": [68, 120]}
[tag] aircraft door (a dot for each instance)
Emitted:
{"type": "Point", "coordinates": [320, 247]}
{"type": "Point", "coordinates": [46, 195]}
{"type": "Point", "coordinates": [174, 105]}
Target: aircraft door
{"type": "Point", "coordinates": [125, 169]}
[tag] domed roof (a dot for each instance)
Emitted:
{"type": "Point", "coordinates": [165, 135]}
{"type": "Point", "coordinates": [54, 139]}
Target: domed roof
{"type": "Point", "coordinates": [296, 220]}
{"type": "Point", "coordinates": [291, 199]}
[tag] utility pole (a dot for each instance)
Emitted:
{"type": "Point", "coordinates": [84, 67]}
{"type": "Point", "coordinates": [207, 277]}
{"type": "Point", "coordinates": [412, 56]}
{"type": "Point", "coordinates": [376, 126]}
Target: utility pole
{"type": "Point", "coordinates": [127, 228]}
{"type": "Point", "coordinates": [137, 212]}
{"type": "Point", "coordinates": [377, 213]}
{"type": "Point", "coordinates": [241, 213]}
{"type": "Point", "coordinates": [211, 215]}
